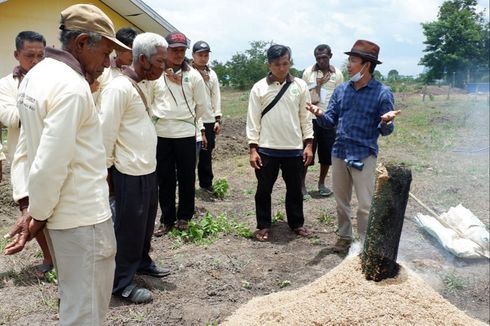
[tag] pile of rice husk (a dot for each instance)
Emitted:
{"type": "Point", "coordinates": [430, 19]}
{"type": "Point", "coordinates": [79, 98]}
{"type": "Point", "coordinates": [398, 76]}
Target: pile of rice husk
{"type": "Point", "coordinates": [344, 297]}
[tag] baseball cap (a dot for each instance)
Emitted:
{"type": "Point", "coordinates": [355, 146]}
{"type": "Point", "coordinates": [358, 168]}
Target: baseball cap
{"type": "Point", "coordinates": [200, 46]}
{"type": "Point", "coordinates": [176, 40]}
{"type": "Point", "coordinates": [89, 18]}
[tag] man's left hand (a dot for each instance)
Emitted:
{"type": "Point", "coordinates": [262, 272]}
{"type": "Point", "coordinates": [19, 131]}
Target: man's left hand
{"type": "Point", "coordinates": [307, 154]}
{"type": "Point", "coordinates": [204, 141]}
{"type": "Point", "coordinates": [217, 128]}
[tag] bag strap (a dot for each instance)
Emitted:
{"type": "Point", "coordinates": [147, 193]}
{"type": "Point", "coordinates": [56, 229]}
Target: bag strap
{"type": "Point", "coordinates": [140, 92]}
{"type": "Point", "coordinates": [276, 99]}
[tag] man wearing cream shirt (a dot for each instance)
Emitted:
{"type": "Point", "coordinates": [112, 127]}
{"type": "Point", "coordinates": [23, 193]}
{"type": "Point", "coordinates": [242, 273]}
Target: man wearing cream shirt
{"type": "Point", "coordinates": [130, 142]}
{"type": "Point", "coordinates": [180, 100]}
{"type": "Point", "coordinates": [64, 165]}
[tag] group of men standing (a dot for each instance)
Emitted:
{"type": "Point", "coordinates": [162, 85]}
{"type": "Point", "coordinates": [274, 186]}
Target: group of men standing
{"type": "Point", "coordinates": [136, 132]}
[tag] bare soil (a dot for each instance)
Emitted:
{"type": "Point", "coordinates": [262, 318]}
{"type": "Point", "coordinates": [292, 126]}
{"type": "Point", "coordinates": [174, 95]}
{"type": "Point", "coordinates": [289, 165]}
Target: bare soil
{"type": "Point", "coordinates": [209, 282]}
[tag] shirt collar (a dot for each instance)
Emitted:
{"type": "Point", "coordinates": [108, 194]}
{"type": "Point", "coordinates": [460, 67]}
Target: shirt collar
{"type": "Point", "coordinates": [18, 73]}
{"type": "Point", "coordinates": [289, 78]}
{"type": "Point", "coordinates": [65, 57]}
{"type": "Point", "coordinates": [317, 68]}
{"type": "Point", "coordinates": [128, 71]}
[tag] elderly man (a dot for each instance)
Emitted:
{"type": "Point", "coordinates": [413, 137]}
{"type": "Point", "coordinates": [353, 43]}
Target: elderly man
{"type": "Point", "coordinates": [361, 109]}
{"type": "Point", "coordinates": [212, 116]}
{"type": "Point", "coordinates": [130, 141]}
{"type": "Point", "coordinates": [279, 134]}
{"type": "Point", "coordinates": [322, 78]}
{"type": "Point", "coordinates": [65, 172]}
{"type": "Point", "coordinates": [180, 101]}
{"type": "Point", "coordinates": [29, 51]}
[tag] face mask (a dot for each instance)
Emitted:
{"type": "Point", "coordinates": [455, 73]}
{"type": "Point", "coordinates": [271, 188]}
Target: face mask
{"type": "Point", "coordinates": [358, 76]}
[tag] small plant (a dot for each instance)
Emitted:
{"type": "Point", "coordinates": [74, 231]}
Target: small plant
{"type": "Point", "coordinates": [246, 285]}
{"type": "Point", "coordinates": [453, 282]}
{"type": "Point", "coordinates": [51, 276]}
{"type": "Point", "coordinates": [248, 192]}
{"type": "Point", "coordinates": [327, 219]}
{"type": "Point", "coordinates": [220, 188]}
{"type": "Point", "coordinates": [283, 283]}
{"type": "Point", "coordinates": [315, 241]}
{"type": "Point", "coordinates": [279, 216]}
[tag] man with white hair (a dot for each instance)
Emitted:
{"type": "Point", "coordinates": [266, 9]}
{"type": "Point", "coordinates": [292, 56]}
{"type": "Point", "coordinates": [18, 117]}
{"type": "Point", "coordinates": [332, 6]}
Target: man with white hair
{"type": "Point", "coordinates": [130, 141]}
{"type": "Point", "coordinates": [65, 173]}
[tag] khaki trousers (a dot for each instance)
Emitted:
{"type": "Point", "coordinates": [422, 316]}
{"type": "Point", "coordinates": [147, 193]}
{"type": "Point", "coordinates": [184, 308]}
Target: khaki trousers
{"type": "Point", "coordinates": [343, 178]}
{"type": "Point", "coordinates": [84, 262]}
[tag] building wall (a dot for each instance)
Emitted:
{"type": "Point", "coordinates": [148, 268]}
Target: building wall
{"type": "Point", "coordinates": [39, 16]}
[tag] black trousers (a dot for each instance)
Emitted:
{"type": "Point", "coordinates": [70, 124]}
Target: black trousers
{"type": "Point", "coordinates": [176, 161]}
{"type": "Point", "coordinates": [292, 172]}
{"type": "Point", "coordinates": [134, 221]}
{"type": "Point", "coordinates": [205, 165]}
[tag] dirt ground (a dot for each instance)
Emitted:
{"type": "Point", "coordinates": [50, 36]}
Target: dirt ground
{"type": "Point", "coordinates": [209, 282]}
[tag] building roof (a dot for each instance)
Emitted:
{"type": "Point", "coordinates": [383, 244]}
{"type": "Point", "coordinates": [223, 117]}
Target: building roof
{"type": "Point", "coordinates": [141, 15]}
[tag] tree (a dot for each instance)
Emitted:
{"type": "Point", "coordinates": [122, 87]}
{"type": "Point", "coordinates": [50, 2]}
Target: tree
{"type": "Point", "coordinates": [457, 43]}
{"type": "Point", "coordinates": [245, 69]}
{"type": "Point", "coordinates": [393, 75]}
{"type": "Point", "coordinates": [222, 72]}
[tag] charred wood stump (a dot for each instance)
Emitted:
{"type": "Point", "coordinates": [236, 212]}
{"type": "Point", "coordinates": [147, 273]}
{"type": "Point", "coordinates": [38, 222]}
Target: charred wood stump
{"type": "Point", "coordinates": [378, 258]}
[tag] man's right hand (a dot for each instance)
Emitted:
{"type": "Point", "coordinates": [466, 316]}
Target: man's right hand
{"type": "Point", "coordinates": [255, 160]}
{"type": "Point", "coordinates": [19, 233]}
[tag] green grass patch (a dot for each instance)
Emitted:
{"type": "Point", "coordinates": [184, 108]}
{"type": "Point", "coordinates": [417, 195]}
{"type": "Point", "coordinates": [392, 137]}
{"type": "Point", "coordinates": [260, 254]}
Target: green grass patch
{"type": "Point", "coordinates": [207, 229]}
{"type": "Point", "coordinates": [235, 102]}
{"type": "Point", "coordinates": [279, 216]}
{"type": "Point", "coordinates": [453, 282]}
{"type": "Point", "coordinates": [220, 188]}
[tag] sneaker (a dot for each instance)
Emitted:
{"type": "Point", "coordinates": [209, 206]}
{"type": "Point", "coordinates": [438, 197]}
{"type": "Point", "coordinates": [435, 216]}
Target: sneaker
{"type": "Point", "coordinates": [136, 294]}
{"type": "Point", "coordinates": [342, 245]}
{"type": "Point", "coordinates": [324, 190]}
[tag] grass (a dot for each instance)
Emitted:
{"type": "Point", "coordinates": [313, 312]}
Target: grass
{"type": "Point", "coordinates": [220, 188]}
{"type": "Point", "coordinates": [235, 102]}
{"type": "Point", "coordinates": [453, 282]}
{"type": "Point", "coordinates": [327, 219]}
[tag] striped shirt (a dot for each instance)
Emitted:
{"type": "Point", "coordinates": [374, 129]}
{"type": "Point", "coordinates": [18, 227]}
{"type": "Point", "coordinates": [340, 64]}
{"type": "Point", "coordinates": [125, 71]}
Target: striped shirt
{"type": "Point", "coordinates": [357, 116]}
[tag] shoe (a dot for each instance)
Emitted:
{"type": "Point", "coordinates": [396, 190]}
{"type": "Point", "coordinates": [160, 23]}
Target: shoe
{"type": "Point", "coordinates": [162, 230]}
{"type": "Point", "coordinates": [209, 190]}
{"type": "Point", "coordinates": [154, 271]}
{"type": "Point", "coordinates": [324, 191]}
{"type": "Point", "coordinates": [342, 245]}
{"type": "Point", "coordinates": [182, 225]}
{"type": "Point", "coordinates": [136, 294]}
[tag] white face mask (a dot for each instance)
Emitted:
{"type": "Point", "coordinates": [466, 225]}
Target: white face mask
{"type": "Point", "coordinates": [358, 76]}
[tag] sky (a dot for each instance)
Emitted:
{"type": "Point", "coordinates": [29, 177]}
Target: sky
{"type": "Point", "coordinates": [230, 26]}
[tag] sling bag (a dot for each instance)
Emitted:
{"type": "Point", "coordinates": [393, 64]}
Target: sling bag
{"type": "Point", "coordinates": [276, 99]}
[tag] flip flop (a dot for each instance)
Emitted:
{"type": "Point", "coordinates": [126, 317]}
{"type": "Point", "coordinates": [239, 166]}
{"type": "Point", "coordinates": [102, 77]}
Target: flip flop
{"type": "Point", "coordinates": [42, 269]}
{"type": "Point", "coordinates": [262, 235]}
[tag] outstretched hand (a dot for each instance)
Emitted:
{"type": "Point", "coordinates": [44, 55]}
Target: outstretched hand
{"type": "Point", "coordinates": [314, 109]}
{"type": "Point", "coordinates": [24, 230]}
{"type": "Point", "coordinates": [389, 116]}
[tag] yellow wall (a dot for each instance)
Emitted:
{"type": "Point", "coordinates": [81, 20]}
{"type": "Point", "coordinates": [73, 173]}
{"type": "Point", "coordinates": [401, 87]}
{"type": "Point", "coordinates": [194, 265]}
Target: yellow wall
{"type": "Point", "coordinates": [40, 16]}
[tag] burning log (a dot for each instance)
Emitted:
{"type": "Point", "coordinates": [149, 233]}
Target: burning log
{"type": "Point", "coordinates": [378, 258]}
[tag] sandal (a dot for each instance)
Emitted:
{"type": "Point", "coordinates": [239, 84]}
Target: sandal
{"type": "Point", "coordinates": [303, 232]}
{"type": "Point", "coordinates": [162, 230]}
{"type": "Point", "coordinates": [41, 269]}
{"type": "Point", "coordinates": [182, 225]}
{"type": "Point", "coordinates": [262, 235]}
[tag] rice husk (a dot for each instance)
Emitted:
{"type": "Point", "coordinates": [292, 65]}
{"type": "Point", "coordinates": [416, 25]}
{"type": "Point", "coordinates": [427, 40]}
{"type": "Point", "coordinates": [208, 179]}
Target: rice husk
{"type": "Point", "coordinates": [344, 297]}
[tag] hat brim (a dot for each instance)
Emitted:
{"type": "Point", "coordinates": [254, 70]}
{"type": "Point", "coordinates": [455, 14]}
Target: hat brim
{"type": "Point", "coordinates": [364, 56]}
{"type": "Point", "coordinates": [119, 45]}
{"type": "Point", "coordinates": [202, 50]}
{"type": "Point", "coordinates": [178, 45]}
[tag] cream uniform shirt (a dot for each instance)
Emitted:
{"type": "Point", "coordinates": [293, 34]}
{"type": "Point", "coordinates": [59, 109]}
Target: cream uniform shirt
{"type": "Point", "coordinates": [60, 151]}
{"type": "Point", "coordinates": [287, 124]}
{"type": "Point", "coordinates": [9, 116]}
{"type": "Point", "coordinates": [336, 78]}
{"type": "Point", "coordinates": [130, 139]}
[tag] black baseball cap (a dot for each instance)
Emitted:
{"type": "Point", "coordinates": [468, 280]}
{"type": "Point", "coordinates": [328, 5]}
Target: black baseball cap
{"type": "Point", "coordinates": [200, 46]}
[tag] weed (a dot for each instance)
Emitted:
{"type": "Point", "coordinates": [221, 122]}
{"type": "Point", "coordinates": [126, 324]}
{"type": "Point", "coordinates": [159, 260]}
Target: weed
{"type": "Point", "coordinates": [283, 283]}
{"type": "Point", "coordinates": [207, 229]}
{"type": "Point", "coordinates": [220, 188]}
{"type": "Point", "coordinates": [315, 241]}
{"type": "Point", "coordinates": [246, 285]}
{"type": "Point", "coordinates": [249, 192]}
{"type": "Point", "coordinates": [211, 323]}
{"type": "Point", "coordinates": [3, 243]}
{"type": "Point", "coordinates": [453, 282]}
{"type": "Point", "coordinates": [327, 219]}
{"type": "Point", "coordinates": [279, 216]}
{"type": "Point", "coordinates": [51, 276]}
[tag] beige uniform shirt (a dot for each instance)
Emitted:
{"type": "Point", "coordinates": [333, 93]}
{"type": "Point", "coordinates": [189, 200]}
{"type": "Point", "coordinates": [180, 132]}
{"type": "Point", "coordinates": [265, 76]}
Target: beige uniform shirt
{"type": "Point", "coordinates": [107, 76]}
{"type": "Point", "coordinates": [9, 116]}
{"type": "Point", "coordinates": [287, 124]}
{"type": "Point", "coordinates": [310, 76]}
{"type": "Point", "coordinates": [178, 108]}
{"type": "Point", "coordinates": [61, 141]}
{"type": "Point", "coordinates": [130, 139]}
{"type": "Point", "coordinates": [213, 99]}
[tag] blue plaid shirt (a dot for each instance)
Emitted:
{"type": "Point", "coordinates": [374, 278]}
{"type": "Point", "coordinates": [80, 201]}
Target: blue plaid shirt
{"type": "Point", "coordinates": [357, 116]}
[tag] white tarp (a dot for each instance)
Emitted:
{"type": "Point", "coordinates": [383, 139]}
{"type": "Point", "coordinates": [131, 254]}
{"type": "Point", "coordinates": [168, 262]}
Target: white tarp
{"type": "Point", "coordinates": [459, 231]}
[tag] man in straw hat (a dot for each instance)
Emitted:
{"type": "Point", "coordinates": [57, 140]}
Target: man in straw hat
{"type": "Point", "coordinates": [65, 186]}
{"type": "Point", "coordinates": [361, 109]}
